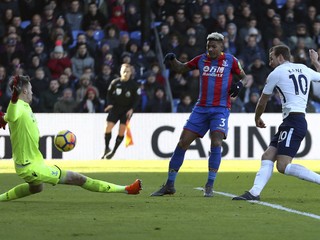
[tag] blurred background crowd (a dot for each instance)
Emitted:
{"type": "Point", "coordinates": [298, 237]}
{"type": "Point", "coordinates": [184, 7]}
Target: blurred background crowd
{"type": "Point", "coordinates": [73, 49]}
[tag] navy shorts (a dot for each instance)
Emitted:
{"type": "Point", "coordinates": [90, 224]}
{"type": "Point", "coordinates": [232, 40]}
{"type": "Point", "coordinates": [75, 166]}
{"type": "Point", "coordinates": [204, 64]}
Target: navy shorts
{"type": "Point", "coordinates": [290, 134]}
{"type": "Point", "coordinates": [204, 118]}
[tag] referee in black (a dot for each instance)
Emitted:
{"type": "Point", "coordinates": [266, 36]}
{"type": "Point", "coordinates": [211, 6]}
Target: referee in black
{"type": "Point", "coordinates": [122, 98]}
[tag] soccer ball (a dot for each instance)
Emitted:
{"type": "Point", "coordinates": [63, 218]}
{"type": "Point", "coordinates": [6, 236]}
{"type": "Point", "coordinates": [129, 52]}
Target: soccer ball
{"type": "Point", "coordinates": [65, 141]}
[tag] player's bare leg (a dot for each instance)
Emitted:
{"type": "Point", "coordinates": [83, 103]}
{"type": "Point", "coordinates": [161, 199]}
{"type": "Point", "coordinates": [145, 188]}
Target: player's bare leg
{"type": "Point", "coordinates": [94, 185]}
{"type": "Point", "coordinates": [186, 138]}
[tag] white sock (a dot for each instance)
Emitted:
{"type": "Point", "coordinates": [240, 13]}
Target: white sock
{"type": "Point", "coordinates": [262, 177]}
{"type": "Point", "coordinates": [302, 172]}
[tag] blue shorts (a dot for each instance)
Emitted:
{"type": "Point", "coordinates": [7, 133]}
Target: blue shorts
{"type": "Point", "coordinates": [204, 118]}
{"type": "Point", "coordinates": [290, 134]}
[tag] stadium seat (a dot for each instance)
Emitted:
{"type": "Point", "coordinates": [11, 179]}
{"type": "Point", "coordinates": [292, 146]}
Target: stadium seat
{"type": "Point", "coordinates": [175, 104]}
{"type": "Point", "coordinates": [135, 35]}
{"type": "Point", "coordinates": [25, 24]}
{"type": "Point", "coordinates": [155, 24]}
{"type": "Point", "coordinates": [98, 36]}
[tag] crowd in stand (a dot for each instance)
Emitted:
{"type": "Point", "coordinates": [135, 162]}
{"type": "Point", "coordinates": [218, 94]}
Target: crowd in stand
{"type": "Point", "coordinates": [73, 49]}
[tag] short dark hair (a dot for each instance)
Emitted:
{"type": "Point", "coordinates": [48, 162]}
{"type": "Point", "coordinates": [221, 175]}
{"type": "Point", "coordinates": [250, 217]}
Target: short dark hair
{"type": "Point", "coordinates": [283, 50]}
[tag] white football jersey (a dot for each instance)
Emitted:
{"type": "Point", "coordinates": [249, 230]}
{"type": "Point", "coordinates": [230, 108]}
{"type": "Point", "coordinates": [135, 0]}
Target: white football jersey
{"type": "Point", "coordinates": [293, 81]}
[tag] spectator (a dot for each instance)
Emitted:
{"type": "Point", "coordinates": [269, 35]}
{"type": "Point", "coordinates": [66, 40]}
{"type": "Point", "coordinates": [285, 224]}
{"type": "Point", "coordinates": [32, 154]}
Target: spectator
{"type": "Point", "coordinates": [311, 17]}
{"type": "Point", "coordinates": [82, 38]}
{"type": "Point", "coordinates": [251, 50]}
{"type": "Point", "coordinates": [208, 21]}
{"type": "Point", "coordinates": [66, 103]}
{"type": "Point", "coordinates": [237, 106]}
{"type": "Point", "coordinates": [274, 104]}
{"type": "Point", "coordinates": [244, 95]}
{"type": "Point", "coordinates": [288, 24]}
{"type": "Point", "coordinates": [259, 71]}
{"type": "Point", "coordinates": [185, 104]}
{"type": "Point", "coordinates": [62, 23]}
{"type": "Point", "coordinates": [10, 52]}
{"type": "Point", "coordinates": [201, 31]}
{"type": "Point", "coordinates": [315, 33]}
{"type": "Point", "coordinates": [49, 97]}
{"type": "Point", "coordinates": [39, 50]}
{"type": "Point", "coordinates": [150, 85]}
{"type": "Point", "coordinates": [81, 60]}
{"type": "Point", "coordinates": [191, 48]}
{"type": "Point", "coordinates": [123, 43]}
{"type": "Point", "coordinates": [40, 84]}
{"type": "Point", "coordinates": [84, 83]}
{"type": "Point", "coordinates": [155, 68]}
{"type": "Point", "coordinates": [148, 53]}
{"type": "Point", "coordinates": [93, 19]}
{"type": "Point", "coordinates": [174, 45]}
{"type": "Point", "coordinates": [4, 99]}
{"type": "Point", "coordinates": [91, 102]}
{"type": "Point", "coordinates": [250, 106]}
{"type": "Point", "coordinates": [103, 80]}
{"type": "Point", "coordinates": [34, 64]}
{"type": "Point", "coordinates": [221, 24]}
{"type": "Point", "coordinates": [231, 43]}
{"type": "Point", "coordinates": [193, 84]}
{"type": "Point", "coordinates": [301, 34]}
{"type": "Point", "coordinates": [48, 17]}
{"type": "Point", "coordinates": [112, 34]}
{"type": "Point", "coordinates": [159, 103]}
{"type": "Point", "coordinates": [58, 61]}
{"type": "Point", "coordinates": [160, 10]}
{"type": "Point", "coordinates": [181, 22]}
{"type": "Point", "coordinates": [178, 85]}
{"type": "Point", "coordinates": [133, 18]}
{"type": "Point", "coordinates": [64, 82]}
{"type": "Point", "coordinates": [74, 15]}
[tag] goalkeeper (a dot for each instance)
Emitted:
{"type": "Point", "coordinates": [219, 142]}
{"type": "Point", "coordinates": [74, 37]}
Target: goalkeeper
{"type": "Point", "coordinates": [28, 160]}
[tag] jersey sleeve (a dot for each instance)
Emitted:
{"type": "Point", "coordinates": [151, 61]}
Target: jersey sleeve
{"type": "Point", "coordinates": [111, 88]}
{"type": "Point", "coordinates": [271, 82]}
{"type": "Point", "coordinates": [193, 63]}
{"type": "Point", "coordinates": [236, 66]}
{"type": "Point", "coordinates": [315, 76]}
{"type": "Point", "coordinates": [13, 112]}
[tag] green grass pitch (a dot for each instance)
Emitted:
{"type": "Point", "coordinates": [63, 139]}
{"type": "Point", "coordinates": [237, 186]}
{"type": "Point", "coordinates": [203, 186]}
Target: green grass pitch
{"type": "Point", "coordinates": [68, 212]}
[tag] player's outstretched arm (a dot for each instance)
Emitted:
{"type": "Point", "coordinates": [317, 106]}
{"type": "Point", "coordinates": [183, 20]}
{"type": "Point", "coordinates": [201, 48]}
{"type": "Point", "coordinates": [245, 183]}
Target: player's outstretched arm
{"type": "Point", "coordinates": [314, 59]}
{"type": "Point", "coordinates": [261, 106]}
{"type": "Point", "coordinates": [172, 62]}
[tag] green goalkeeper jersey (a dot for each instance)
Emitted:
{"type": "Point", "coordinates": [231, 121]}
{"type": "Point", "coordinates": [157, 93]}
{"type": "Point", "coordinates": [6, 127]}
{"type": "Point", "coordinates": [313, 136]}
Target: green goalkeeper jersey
{"type": "Point", "coordinates": [24, 133]}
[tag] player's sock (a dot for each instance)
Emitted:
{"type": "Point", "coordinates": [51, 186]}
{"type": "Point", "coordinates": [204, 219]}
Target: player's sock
{"type": "Point", "coordinates": [302, 172]}
{"type": "Point", "coordinates": [107, 137]}
{"type": "Point", "coordinates": [175, 164]}
{"type": "Point", "coordinates": [18, 191]}
{"type": "Point", "coordinates": [119, 140]}
{"type": "Point", "coordinates": [262, 177]}
{"type": "Point", "coordinates": [95, 185]}
{"type": "Point", "coordinates": [214, 164]}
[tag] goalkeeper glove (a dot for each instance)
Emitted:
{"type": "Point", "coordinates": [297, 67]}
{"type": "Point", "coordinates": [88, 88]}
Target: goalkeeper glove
{"type": "Point", "coordinates": [15, 88]}
{"type": "Point", "coordinates": [3, 123]}
{"type": "Point", "coordinates": [235, 89]}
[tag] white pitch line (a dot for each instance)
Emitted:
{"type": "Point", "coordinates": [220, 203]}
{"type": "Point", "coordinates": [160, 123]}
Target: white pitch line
{"type": "Point", "coordinates": [275, 206]}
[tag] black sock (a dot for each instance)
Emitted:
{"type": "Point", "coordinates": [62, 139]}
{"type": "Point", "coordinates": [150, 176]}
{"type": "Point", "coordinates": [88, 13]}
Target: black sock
{"type": "Point", "coordinates": [118, 142]}
{"type": "Point", "coordinates": [107, 137]}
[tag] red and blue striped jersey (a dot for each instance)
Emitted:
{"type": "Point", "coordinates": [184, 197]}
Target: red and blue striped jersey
{"type": "Point", "coordinates": [215, 78]}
